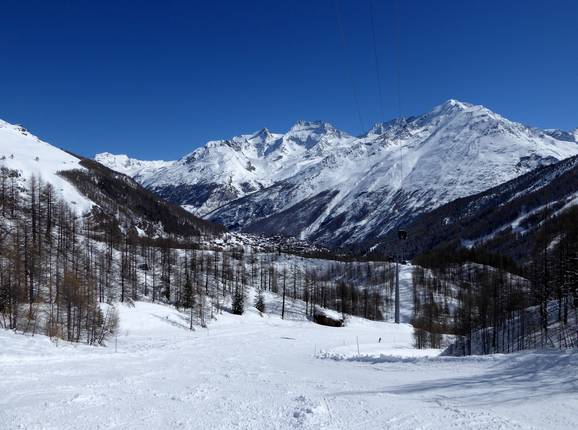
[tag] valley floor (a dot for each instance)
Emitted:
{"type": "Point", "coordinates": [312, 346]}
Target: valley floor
{"type": "Point", "coordinates": [262, 372]}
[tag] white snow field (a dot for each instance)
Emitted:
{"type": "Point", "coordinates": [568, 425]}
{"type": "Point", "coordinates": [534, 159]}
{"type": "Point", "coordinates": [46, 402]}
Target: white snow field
{"type": "Point", "coordinates": [253, 372]}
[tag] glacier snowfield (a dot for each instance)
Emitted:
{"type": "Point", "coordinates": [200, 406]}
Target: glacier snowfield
{"type": "Point", "coordinates": [261, 372]}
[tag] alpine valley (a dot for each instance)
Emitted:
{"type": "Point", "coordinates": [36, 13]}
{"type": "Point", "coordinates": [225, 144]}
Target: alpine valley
{"type": "Point", "coordinates": [208, 273]}
{"type": "Point", "coordinates": [275, 325]}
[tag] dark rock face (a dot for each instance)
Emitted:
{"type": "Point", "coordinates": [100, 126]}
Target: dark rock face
{"type": "Point", "coordinates": [194, 195]}
{"type": "Point", "coordinates": [292, 221]}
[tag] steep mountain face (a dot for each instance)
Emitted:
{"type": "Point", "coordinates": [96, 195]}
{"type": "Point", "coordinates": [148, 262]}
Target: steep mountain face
{"type": "Point", "coordinates": [90, 188]}
{"type": "Point", "coordinates": [503, 220]}
{"type": "Point", "coordinates": [320, 184]}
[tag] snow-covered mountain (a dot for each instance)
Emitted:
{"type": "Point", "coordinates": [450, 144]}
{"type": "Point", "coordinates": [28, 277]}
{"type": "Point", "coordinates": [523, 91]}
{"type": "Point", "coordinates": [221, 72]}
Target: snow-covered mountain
{"type": "Point", "coordinates": [318, 183]}
{"type": "Point", "coordinates": [90, 188]}
{"type": "Point", "coordinates": [504, 220]}
{"type": "Point", "coordinates": [131, 166]}
{"type": "Point", "coordinates": [23, 152]}
{"type": "Point", "coordinates": [225, 170]}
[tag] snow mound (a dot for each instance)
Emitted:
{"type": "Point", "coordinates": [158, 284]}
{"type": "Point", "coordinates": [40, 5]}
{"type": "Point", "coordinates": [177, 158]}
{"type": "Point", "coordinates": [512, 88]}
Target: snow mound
{"type": "Point", "coordinates": [378, 353]}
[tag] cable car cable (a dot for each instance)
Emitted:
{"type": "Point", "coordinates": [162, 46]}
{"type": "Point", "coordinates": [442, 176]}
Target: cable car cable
{"type": "Point", "coordinates": [376, 59]}
{"type": "Point", "coordinates": [347, 65]}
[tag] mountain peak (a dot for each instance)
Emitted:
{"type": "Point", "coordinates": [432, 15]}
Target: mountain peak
{"type": "Point", "coordinates": [377, 129]}
{"type": "Point", "coordinates": [264, 134]}
{"type": "Point", "coordinates": [452, 105]}
{"type": "Point", "coordinates": [318, 126]}
{"type": "Point", "coordinates": [106, 154]}
{"type": "Point", "coordinates": [455, 102]}
{"type": "Point", "coordinates": [380, 128]}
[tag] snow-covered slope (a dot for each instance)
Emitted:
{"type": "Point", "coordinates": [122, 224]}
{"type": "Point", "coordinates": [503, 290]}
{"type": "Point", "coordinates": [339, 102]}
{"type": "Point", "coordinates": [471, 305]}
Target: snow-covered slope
{"type": "Point", "coordinates": [504, 220]}
{"type": "Point", "coordinates": [248, 372]}
{"type": "Point", "coordinates": [30, 156]}
{"type": "Point", "coordinates": [86, 185]}
{"type": "Point", "coordinates": [318, 183]}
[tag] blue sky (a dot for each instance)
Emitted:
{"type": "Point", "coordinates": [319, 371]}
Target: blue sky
{"type": "Point", "coordinates": [158, 79]}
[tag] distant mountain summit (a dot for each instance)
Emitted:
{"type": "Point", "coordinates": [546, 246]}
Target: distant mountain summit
{"type": "Point", "coordinates": [319, 183]}
{"type": "Point", "coordinates": [130, 166]}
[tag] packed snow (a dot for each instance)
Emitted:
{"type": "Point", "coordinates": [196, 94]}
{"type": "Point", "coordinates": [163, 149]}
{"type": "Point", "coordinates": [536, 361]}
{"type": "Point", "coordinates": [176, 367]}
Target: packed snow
{"type": "Point", "coordinates": [405, 293]}
{"type": "Point", "coordinates": [256, 371]}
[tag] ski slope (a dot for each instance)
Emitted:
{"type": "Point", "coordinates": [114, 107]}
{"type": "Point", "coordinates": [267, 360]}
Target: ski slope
{"type": "Point", "coordinates": [262, 372]}
{"type": "Point", "coordinates": [405, 293]}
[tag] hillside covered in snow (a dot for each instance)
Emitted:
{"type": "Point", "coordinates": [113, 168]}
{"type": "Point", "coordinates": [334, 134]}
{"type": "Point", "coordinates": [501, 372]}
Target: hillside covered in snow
{"type": "Point", "coordinates": [90, 188]}
{"type": "Point", "coordinates": [25, 153]}
{"type": "Point", "coordinates": [130, 166]}
{"type": "Point", "coordinates": [318, 183]}
{"type": "Point", "coordinates": [506, 219]}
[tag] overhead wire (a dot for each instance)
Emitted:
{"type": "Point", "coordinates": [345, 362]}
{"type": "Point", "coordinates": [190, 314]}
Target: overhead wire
{"type": "Point", "coordinates": [397, 62]}
{"type": "Point", "coordinates": [397, 67]}
{"type": "Point", "coordinates": [347, 64]}
{"type": "Point", "coordinates": [376, 60]}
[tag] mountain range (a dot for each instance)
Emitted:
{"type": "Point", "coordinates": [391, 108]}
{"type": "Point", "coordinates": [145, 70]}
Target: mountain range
{"type": "Point", "coordinates": [321, 184]}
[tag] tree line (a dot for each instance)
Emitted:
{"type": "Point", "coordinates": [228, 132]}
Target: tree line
{"type": "Point", "coordinates": [48, 269]}
{"type": "Point", "coordinates": [61, 272]}
{"type": "Point", "coordinates": [500, 306]}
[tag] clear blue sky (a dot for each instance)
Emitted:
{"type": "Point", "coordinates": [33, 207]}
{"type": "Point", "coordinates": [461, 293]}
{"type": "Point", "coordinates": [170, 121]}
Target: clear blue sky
{"type": "Point", "coordinates": [157, 79]}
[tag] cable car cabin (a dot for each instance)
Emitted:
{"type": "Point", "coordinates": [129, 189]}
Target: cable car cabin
{"type": "Point", "coordinates": [402, 234]}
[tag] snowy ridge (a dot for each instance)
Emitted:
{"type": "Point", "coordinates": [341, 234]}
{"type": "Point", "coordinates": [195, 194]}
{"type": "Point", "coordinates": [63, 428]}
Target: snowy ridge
{"type": "Point", "coordinates": [30, 156]}
{"type": "Point", "coordinates": [130, 166]}
{"type": "Point", "coordinates": [225, 170]}
{"type": "Point", "coordinates": [321, 184]}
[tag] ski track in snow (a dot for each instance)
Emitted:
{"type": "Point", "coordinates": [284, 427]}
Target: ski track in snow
{"type": "Point", "coordinates": [405, 292]}
{"type": "Point", "coordinates": [261, 372]}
